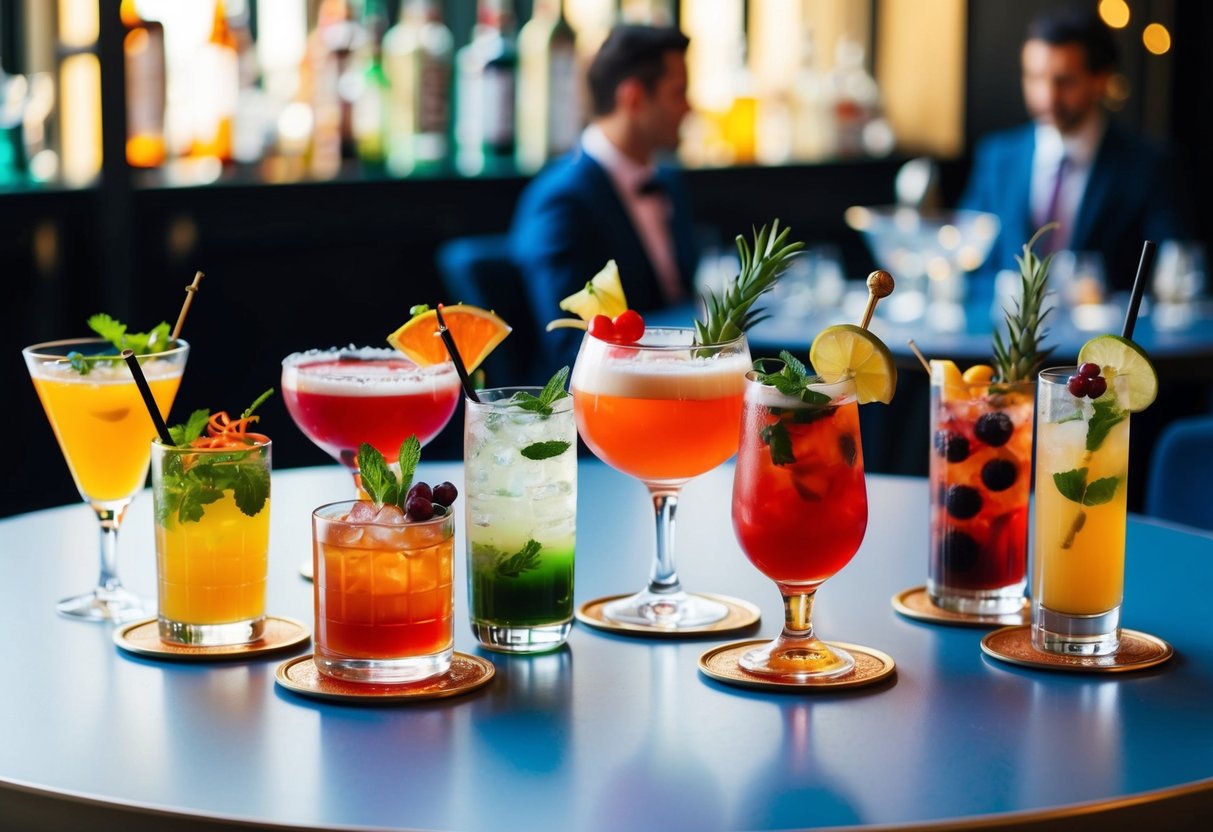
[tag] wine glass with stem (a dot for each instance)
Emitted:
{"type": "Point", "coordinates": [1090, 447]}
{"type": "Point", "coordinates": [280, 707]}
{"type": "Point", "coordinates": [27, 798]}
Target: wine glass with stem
{"type": "Point", "coordinates": [800, 511]}
{"type": "Point", "coordinates": [663, 410]}
{"type": "Point", "coordinates": [104, 431]}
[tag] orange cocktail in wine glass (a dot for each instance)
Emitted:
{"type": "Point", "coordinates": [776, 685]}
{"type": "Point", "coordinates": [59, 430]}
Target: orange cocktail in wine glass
{"type": "Point", "coordinates": [662, 410]}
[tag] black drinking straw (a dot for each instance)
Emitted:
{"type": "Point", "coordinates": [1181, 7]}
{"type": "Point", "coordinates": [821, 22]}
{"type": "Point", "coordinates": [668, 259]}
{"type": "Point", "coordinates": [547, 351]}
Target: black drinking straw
{"type": "Point", "coordinates": [445, 334]}
{"type": "Point", "coordinates": [153, 409]}
{"type": "Point", "coordinates": [1144, 267]}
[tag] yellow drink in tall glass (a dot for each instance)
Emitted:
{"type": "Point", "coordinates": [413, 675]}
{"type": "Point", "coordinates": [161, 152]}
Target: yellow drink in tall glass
{"type": "Point", "coordinates": [102, 424]}
{"type": "Point", "coordinates": [212, 540]}
{"type": "Point", "coordinates": [1082, 472]}
{"type": "Point", "coordinates": [213, 571]}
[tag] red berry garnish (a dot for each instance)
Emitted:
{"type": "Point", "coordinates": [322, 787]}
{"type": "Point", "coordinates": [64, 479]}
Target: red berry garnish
{"type": "Point", "coordinates": [419, 488]}
{"type": "Point", "coordinates": [1097, 387]}
{"type": "Point", "coordinates": [1089, 370]}
{"type": "Point", "coordinates": [1078, 386]}
{"type": "Point", "coordinates": [419, 508]}
{"type": "Point", "coordinates": [629, 327]}
{"type": "Point", "coordinates": [602, 328]}
{"type": "Point", "coordinates": [445, 494]}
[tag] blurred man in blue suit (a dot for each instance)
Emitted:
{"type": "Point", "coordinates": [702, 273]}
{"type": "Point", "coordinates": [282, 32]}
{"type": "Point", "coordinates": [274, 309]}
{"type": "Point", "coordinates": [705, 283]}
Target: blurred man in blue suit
{"type": "Point", "coordinates": [608, 199]}
{"type": "Point", "coordinates": [1107, 188]}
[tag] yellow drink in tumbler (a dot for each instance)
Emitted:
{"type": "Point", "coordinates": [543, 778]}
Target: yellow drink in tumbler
{"type": "Point", "coordinates": [102, 424]}
{"type": "Point", "coordinates": [1080, 572]}
{"type": "Point", "coordinates": [213, 571]}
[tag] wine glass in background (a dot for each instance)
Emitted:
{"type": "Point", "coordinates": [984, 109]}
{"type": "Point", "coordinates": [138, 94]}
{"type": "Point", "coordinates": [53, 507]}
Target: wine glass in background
{"type": "Point", "coordinates": [105, 433]}
{"type": "Point", "coordinates": [1179, 279]}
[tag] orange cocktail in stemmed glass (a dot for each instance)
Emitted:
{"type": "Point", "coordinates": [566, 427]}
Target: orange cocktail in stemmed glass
{"type": "Point", "coordinates": [800, 510]}
{"type": "Point", "coordinates": [662, 410]}
{"type": "Point", "coordinates": [105, 434]}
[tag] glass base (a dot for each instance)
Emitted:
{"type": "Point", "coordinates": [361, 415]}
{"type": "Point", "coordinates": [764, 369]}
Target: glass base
{"type": "Point", "coordinates": [117, 606]}
{"type": "Point", "coordinates": [522, 639]}
{"type": "Point", "coordinates": [211, 635]}
{"type": "Point", "coordinates": [665, 611]}
{"type": "Point", "coordinates": [1075, 635]}
{"type": "Point", "coordinates": [1004, 600]}
{"type": "Point", "coordinates": [797, 660]}
{"type": "Point", "coordinates": [384, 671]}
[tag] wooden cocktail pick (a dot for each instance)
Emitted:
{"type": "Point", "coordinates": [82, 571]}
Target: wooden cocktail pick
{"type": "Point", "coordinates": [190, 291]}
{"type": "Point", "coordinates": [880, 285]}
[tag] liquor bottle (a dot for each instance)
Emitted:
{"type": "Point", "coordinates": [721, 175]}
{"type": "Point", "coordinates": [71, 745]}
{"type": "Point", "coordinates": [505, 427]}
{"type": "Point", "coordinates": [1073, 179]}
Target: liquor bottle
{"type": "Point", "coordinates": [217, 86]}
{"type": "Point", "coordinates": [371, 98]}
{"type": "Point", "coordinates": [79, 94]}
{"type": "Point", "coordinates": [650, 12]}
{"type": "Point", "coordinates": [330, 51]}
{"type": "Point", "coordinates": [549, 118]}
{"type": "Point", "coordinates": [250, 127]}
{"type": "Point", "coordinates": [487, 71]}
{"type": "Point", "coordinates": [417, 56]}
{"type": "Point", "coordinates": [143, 55]}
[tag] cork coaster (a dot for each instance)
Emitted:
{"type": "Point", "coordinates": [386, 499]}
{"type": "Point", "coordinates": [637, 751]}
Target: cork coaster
{"type": "Point", "coordinates": [466, 674]}
{"type": "Point", "coordinates": [1137, 652]}
{"type": "Point", "coordinates": [143, 638]}
{"type": "Point", "coordinates": [721, 663]}
{"type": "Point", "coordinates": [916, 603]}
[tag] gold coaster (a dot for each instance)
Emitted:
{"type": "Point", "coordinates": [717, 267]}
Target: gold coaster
{"type": "Point", "coordinates": [467, 673]}
{"type": "Point", "coordinates": [721, 664]}
{"type": "Point", "coordinates": [741, 614]}
{"type": "Point", "coordinates": [143, 639]}
{"type": "Point", "coordinates": [916, 603]}
{"type": "Point", "coordinates": [1137, 652]}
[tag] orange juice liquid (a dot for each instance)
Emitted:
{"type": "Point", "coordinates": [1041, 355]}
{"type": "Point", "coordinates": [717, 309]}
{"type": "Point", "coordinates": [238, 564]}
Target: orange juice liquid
{"type": "Point", "coordinates": [102, 424]}
{"type": "Point", "coordinates": [213, 571]}
{"type": "Point", "coordinates": [663, 419]}
{"type": "Point", "coordinates": [385, 595]}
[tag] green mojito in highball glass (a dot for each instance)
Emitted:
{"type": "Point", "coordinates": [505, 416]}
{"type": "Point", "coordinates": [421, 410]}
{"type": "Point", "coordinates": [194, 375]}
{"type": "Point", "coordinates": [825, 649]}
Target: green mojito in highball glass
{"type": "Point", "coordinates": [520, 465]}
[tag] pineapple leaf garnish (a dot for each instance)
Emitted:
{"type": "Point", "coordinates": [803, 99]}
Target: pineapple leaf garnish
{"type": "Point", "coordinates": [1020, 357]}
{"type": "Point", "coordinates": [729, 314]}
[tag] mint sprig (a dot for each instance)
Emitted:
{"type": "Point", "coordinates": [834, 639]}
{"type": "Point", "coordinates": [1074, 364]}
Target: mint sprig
{"type": "Point", "coordinates": [792, 379]}
{"type": "Point", "coordinates": [1074, 487]}
{"type": "Point", "coordinates": [141, 343]}
{"type": "Point", "coordinates": [545, 450]}
{"type": "Point", "coordinates": [542, 404]}
{"type": "Point", "coordinates": [1105, 416]}
{"type": "Point", "coordinates": [379, 482]}
{"type": "Point", "coordinates": [186, 490]}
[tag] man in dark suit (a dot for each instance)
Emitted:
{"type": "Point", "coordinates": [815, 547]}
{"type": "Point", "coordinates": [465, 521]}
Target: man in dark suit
{"type": "Point", "coordinates": [608, 199]}
{"type": "Point", "coordinates": [1107, 188]}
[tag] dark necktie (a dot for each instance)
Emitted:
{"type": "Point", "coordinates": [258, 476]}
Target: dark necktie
{"type": "Point", "coordinates": [1052, 241]}
{"type": "Point", "coordinates": [651, 187]}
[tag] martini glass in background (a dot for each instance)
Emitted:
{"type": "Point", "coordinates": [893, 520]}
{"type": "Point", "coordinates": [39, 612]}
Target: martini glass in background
{"type": "Point", "coordinates": [800, 511]}
{"type": "Point", "coordinates": [664, 411]}
{"type": "Point", "coordinates": [105, 434]}
{"type": "Point", "coordinates": [341, 398]}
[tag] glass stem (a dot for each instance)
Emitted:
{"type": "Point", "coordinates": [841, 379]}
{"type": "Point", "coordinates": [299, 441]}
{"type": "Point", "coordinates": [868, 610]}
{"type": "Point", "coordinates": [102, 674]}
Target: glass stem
{"type": "Point", "coordinates": [663, 579]}
{"type": "Point", "coordinates": [798, 613]}
{"type": "Point", "coordinates": [110, 518]}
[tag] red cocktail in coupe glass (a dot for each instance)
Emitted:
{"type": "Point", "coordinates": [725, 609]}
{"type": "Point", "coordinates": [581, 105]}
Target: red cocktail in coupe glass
{"type": "Point", "coordinates": [341, 398]}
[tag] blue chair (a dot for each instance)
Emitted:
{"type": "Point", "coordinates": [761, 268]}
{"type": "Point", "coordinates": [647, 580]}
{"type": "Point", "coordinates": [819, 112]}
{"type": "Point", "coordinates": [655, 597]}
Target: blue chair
{"type": "Point", "coordinates": [1180, 483]}
{"type": "Point", "coordinates": [480, 271]}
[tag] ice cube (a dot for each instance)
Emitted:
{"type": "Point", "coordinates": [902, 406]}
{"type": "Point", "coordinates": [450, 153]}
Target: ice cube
{"type": "Point", "coordinates": [362, 512]}
{"type": "Point", "coordinates": [342, 534]}
{"type": "Point", "coordinates": [390, 515]}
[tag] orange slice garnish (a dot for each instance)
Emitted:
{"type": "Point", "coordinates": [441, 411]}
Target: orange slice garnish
{"type": "Point", "coordinates": [476, 332]}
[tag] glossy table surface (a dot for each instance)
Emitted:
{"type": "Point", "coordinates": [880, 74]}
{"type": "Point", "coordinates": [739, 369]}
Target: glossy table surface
{"type": "Point", "coordinates": [611, 732]}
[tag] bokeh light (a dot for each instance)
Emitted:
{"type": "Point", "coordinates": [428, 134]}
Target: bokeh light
{"type": "Point", "coordinates": [1115, 13]}
{"type": "Point", "coordinates": [1156, 38]}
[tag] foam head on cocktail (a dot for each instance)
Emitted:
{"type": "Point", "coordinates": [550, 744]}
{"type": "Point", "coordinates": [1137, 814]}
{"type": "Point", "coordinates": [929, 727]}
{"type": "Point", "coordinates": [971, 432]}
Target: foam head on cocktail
{"type": "Point", "coordinates": [383, 577]}
{"type": "Point", "coordinates": [211, 492]}
{"type": "Point", "coordinates": [105, 433]}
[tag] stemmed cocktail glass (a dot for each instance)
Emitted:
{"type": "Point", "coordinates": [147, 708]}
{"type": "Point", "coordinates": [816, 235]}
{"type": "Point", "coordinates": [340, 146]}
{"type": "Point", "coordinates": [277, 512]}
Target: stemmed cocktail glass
{"type": "Point", "coordinates": [800, 510]}
{"type": "Point", "coordinates": [341, 398]}
{"type": "Point", "coordinates": [105, 433]}
{"type": "Point", "coordinates": [664, 411]}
